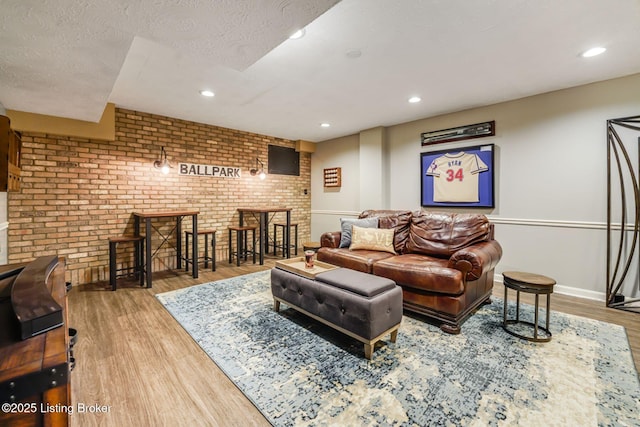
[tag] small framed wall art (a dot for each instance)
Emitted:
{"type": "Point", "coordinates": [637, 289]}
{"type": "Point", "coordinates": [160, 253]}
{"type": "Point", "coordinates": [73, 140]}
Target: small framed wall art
{"type": "Point", "coordinates": [460, 177]}
{"type": "Point", "coordinates": [333, 177]}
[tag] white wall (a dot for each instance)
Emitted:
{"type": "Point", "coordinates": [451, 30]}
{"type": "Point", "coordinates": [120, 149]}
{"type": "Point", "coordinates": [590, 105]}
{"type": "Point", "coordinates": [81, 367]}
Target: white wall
{"type": "Point", "coordinates": [334, 202]}
{"type": "Point", "coordinates": [373, 178]}
{"type": "Point", "coordinates": [550, 178]}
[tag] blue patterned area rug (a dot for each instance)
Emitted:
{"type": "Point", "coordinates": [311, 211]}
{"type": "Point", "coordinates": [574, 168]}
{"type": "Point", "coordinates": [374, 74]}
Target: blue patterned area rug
{"type": "Point", "coordinates": [299, 372]}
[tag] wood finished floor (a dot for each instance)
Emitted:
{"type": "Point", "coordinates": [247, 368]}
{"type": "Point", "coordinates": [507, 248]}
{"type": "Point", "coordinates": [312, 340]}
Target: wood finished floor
{"type": "Point", "coordinates": [133, 357]}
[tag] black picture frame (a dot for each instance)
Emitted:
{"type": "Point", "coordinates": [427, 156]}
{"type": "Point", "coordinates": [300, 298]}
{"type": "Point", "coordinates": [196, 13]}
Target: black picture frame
{"type": "Point", "coordinates": [458, 177]}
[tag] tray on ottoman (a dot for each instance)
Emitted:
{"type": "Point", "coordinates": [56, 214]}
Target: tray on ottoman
{"type": "Point", "coordinates": [296, 266]}
{"type": "Point", "coordinates": [360, 305]}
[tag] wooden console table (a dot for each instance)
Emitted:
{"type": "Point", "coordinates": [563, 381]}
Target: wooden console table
{"type": "Point", "coordinates": [147, 217]}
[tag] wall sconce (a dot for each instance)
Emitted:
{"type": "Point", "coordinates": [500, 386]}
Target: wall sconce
{"type": "Point", "coordinates": [162, 163]}
{"type": "Point", "coordinates": [260, 172]}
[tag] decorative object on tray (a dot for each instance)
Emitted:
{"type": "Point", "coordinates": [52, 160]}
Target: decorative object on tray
{"type": "Point", "coordinates": [308, 258]}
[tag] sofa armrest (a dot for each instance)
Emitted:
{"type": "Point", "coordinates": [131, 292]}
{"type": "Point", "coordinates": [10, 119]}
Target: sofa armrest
{"type": "Point", "coordinates": [476, 260]}
{"type": "Point", "coordinates": [330, 239]}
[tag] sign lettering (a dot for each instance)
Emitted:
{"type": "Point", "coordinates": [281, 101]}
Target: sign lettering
{"type": "Point", "coordinates": [209, 170]}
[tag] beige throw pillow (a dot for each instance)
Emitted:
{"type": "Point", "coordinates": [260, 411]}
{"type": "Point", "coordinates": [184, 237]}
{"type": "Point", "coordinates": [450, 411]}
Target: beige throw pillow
{"type": "Point", "coordinates": [374, 239]}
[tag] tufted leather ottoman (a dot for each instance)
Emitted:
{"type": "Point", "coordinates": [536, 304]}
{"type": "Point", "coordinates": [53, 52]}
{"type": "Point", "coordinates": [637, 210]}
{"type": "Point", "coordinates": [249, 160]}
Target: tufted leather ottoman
{"type": "Point", "coordinates": [361, 305]}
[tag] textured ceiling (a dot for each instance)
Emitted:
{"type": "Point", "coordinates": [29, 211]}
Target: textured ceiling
{"type": "Point", "coordinates": [357, 65]}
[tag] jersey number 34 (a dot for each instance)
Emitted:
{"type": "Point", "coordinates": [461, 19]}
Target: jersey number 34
{"type": "Point", "coordinates": [451, 175]}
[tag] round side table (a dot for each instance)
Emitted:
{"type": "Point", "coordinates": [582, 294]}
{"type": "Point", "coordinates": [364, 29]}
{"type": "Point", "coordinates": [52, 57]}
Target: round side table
{"type": "Point", "coordinates": [311, 246]}
{"type": "Point", "coordinates": [532, 284]}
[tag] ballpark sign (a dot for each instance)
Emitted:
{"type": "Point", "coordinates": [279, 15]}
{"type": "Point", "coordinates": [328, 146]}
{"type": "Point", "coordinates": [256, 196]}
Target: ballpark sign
{"type": "Point", "coordinates": [209, 170]}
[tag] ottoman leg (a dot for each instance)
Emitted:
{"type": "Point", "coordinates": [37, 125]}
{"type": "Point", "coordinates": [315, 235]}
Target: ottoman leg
{"type": "Point", "coordinates": [276, 305]}
{"type": "Point", "coordinates": [394, 335]}
{"type": "Point", "coordinates": [368, 350]}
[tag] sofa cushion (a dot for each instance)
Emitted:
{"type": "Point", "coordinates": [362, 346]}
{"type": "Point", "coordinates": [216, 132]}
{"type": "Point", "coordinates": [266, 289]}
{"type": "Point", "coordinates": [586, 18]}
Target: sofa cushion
{"type": "Point", "coordinates": [400, 221]}
{"type": "Point", "coordinates": [347, 223]}
{"type": "Point", "coordinates": [360, 260]}
{"type": "Point", "coordinates": [442, 234]}
{"type": "Point", "coordinates": [421, 272]}
{"type": "Point", "coordinates": [375, 239]}
{"type": "Point", "coordinates": [357, 282]}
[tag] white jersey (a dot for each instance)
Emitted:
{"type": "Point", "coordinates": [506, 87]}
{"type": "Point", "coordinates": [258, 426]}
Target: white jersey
{"type": "Point", "coordinates": [455, 177]}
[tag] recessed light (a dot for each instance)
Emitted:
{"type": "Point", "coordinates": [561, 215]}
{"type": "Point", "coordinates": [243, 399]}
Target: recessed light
{"type": "Point", "coordinates": [594, 51]}
{"type": "Point", "coordinates": [415, 99]}
{"type": "Point", "coordinates": [298, 34]}
{"type": "Point", "coordinates": [325, 125]}
{"type": "Point", "coordinates": [354, 53]}
{"type": "Point", "coordinates": [207, 93]}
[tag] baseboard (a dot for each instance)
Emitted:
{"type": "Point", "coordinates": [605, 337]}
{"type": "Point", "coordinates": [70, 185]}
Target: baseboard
{"type": "Point", "coordinates": [569, 291]}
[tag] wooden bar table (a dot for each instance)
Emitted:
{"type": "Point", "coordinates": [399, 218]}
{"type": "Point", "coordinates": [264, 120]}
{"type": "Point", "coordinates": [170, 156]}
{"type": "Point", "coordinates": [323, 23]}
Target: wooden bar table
{"type": "Point", "coordinates": [263, 219]}
{"type": "Point", "coordinates": [178, 215]}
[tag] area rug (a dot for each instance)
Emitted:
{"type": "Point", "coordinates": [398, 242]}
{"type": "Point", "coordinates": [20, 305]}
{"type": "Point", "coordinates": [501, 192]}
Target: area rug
{"type": "Point", "coordinates": [299, 372]}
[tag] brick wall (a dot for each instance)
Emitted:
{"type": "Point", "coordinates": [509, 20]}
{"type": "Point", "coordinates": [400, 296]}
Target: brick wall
{"type": "Point", "coordinates": [75, 193]}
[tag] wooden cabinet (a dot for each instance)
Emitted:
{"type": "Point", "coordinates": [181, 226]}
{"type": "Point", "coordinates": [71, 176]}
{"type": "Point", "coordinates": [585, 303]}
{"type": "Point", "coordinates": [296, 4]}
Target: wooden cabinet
{"type": "Point", "coordinates": [10, 148]}
{"type": "Point", "coordinates": [35, 388]}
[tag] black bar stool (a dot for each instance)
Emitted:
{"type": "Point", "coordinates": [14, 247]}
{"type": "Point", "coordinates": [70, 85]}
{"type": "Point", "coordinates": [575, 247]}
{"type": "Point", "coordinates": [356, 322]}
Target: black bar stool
{"type": "Point", "coordinates": [206, 258]}
{"type": "Point", "coordinates": [138, 267]}
{"type": "Point", "coordinates": [276, 226]}
{"type": "Point", "coordinates": [241, 243]}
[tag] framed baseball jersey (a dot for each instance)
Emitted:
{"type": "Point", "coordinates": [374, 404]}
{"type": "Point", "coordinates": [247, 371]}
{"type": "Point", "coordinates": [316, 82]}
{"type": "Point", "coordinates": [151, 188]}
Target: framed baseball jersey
{"type": "Point", "coordinates": [460, 177]}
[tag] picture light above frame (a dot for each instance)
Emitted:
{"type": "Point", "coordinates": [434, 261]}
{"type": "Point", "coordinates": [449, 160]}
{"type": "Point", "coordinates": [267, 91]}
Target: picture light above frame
{"type": "Point", "coordinates": [478, 130]}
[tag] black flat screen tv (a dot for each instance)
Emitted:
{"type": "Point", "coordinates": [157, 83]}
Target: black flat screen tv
{"type": "Point", "coordinates": [283, 161]}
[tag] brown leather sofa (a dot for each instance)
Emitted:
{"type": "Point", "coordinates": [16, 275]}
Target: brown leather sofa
{"type": "Point", "coordinates": [445, 261]}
